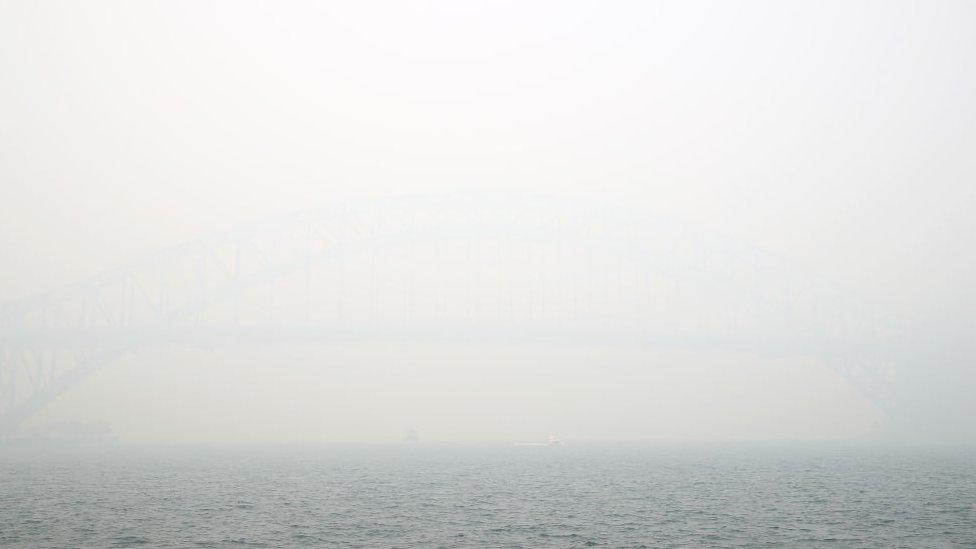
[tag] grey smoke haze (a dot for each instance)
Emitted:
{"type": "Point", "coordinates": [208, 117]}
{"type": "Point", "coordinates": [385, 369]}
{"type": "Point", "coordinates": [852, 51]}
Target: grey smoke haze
{"type": "Point", "coordinates": [834, 136]}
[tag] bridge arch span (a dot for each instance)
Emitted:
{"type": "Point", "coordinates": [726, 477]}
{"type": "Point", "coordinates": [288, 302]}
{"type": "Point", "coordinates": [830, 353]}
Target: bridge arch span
{"type": "Point", "coordinates": [53, 341]}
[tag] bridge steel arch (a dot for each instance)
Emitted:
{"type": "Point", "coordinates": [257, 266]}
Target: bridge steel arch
{"type": "Point", "coordinates": [51, 342]}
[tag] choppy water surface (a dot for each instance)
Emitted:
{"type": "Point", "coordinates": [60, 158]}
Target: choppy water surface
{"type": "Point", "coordinates": [499, 497]}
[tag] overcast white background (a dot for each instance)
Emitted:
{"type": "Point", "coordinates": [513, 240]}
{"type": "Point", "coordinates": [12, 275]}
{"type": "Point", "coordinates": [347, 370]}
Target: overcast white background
{"type": "Point", "coordinates": [839, 135]}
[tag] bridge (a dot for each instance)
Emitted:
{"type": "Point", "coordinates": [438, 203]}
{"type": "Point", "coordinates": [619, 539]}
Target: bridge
{"type": "Point", "coordinates": [476, 268]}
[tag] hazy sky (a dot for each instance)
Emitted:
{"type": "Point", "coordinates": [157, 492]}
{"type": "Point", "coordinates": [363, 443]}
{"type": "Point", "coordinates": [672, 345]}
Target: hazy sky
{"type": "Point", "coordinates": [838, 135]}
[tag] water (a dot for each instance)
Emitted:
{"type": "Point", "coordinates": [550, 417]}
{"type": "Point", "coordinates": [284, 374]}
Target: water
{"type": "Point", "coordinates": [654, 496]}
